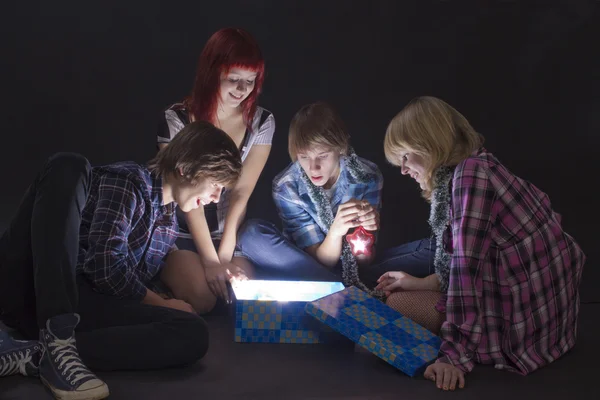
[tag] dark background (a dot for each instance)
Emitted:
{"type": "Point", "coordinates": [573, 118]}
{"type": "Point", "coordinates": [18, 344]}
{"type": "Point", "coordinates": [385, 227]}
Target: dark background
{"type": "Point", "coordinates": [93, 76]}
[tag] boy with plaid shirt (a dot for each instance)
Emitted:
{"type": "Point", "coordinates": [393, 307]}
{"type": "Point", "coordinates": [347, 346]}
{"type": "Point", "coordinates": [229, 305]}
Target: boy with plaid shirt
{"type": "Point", "coordinates": [325, 179]}
{"type": "Point", "coordinates": [78, 263]}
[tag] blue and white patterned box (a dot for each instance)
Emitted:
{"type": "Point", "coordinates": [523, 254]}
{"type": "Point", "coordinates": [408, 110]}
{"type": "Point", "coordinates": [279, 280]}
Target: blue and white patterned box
{"type": "Point", "coordinates": [274, 311]}
{"type": "Point", "coordinates": [378, 328]}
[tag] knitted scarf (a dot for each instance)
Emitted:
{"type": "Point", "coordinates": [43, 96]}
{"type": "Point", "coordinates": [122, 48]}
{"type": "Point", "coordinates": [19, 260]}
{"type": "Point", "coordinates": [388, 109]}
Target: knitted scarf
{"type": "Point", "coordinates": [439, 219]}
{"type": "Point", "coordinates": [325, 216]}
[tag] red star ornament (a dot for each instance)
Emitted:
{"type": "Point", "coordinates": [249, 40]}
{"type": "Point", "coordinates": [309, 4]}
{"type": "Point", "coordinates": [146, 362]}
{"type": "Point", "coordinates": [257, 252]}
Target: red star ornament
{"type": "Point", "coordinates": [361, 241]}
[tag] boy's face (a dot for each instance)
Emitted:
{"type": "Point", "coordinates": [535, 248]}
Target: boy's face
{"type": "Point", "coordinates": [321, 164]}
{"type": "Point", "coordinates": [189, 197]}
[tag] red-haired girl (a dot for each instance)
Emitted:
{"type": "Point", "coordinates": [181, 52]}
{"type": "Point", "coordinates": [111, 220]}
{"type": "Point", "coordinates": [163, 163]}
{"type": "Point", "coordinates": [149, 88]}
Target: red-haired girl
{"type": "Point", "coordinates": [228, 82]}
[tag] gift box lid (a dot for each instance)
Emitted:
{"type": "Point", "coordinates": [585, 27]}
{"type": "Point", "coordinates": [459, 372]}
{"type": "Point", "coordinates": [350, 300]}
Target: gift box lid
{"type": "Point", "coordinates": [378, 328]}
{"type": "Point", "coordinates": [266, 290]}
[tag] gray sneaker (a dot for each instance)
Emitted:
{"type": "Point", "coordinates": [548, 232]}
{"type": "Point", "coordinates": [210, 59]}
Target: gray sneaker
{"type": "Point", "coordinates": [61, 368]}
{"type": "Point", "coordinates": [19, 356]}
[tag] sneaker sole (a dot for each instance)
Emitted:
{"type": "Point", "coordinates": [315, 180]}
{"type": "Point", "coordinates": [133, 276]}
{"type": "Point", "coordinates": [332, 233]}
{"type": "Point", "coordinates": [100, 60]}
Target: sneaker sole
{"type": "Point", "coordinates": [97, 393]}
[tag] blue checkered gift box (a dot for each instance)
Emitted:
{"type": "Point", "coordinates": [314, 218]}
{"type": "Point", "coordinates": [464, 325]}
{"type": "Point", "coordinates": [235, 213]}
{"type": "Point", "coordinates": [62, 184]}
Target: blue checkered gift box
{"type": "Point", "coordinates": [274, 311]}
{"type": "Point", "coordinates": [378, 328]}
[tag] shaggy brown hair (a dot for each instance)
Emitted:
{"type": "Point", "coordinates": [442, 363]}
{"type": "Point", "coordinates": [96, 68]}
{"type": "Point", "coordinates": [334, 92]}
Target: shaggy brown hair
{"type": "Point", "coordinates": [200, 151]}
{"type": "Point", "coordinates": [317, 125]}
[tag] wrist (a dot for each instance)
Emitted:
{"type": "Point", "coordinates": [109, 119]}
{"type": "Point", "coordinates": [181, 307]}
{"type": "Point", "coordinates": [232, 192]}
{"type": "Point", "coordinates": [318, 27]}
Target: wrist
{"type": "Point", "coordinates": [335, 235]}
{"type": "Point", "coordinates": [225, 259]}
{"type": "Point", "coordinates": [227, 247]}
{"type": "Point", "coordinates": [212, 264]}
{"type": "Point", "coordinates": [225, 256]}
{"type": "Point", "coordinates": [432, 283]}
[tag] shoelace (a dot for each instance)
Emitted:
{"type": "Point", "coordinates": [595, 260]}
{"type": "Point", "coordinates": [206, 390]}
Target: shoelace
{"type": "Point", "coordinates": [17, 361]}
{"type": "Point", "coordinates": [68, 360]}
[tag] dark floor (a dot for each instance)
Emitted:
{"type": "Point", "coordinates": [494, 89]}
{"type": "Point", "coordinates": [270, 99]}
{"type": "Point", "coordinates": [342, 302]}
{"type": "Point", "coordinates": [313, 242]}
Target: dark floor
{"type": "Point", "coordinates": [287, 371]}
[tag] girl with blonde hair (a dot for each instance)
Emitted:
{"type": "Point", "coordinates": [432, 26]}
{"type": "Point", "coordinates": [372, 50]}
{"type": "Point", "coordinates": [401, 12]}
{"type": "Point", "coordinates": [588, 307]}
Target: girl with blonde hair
{"type": "Point", "coordinates": [508, 273]}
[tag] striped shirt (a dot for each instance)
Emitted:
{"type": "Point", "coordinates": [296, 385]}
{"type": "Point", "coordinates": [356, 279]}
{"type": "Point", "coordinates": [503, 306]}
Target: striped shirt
{"type": "Point", "coordinates": [176, 117]}
{"type": "Point", "coordinates": [299, 215]}
{"type": "Point", "coordinates": [513, 296]}
{"type": "Point", "coordinates": [125, 231]}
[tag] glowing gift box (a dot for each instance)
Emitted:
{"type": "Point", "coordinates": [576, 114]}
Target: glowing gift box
{"type": "Point", "coordinates": [274, 311]}
{"type": "Point", "coordinates": [378, 328]}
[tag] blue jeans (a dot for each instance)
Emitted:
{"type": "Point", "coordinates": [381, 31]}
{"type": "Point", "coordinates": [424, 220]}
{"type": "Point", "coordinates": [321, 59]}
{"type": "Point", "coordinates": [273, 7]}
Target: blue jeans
{"type": "Point", "coordinates": [276, 257]}
{"type": "Point", "coordinates": [414, 258]}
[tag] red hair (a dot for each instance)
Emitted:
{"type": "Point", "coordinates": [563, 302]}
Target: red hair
{"type": "Point", "coordinates": [227, 48]}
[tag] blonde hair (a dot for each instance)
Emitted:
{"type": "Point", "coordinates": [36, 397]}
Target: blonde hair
{"type": "Point", "coordinates": [434, 130]}
{"type": "Point", "coordinates": [317, 125]}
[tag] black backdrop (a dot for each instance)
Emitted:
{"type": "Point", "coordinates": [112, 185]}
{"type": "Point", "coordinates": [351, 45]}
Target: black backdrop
{"type": "Point", "coordinates": [92, 77]}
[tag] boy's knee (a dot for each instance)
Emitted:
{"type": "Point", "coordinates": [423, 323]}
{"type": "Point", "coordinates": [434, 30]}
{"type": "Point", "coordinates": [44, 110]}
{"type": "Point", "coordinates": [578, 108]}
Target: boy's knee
{"type": "Point", "coordinates": [255, 228]}
{"type": "Point", "coordinates": [69, 167]}
{"type": "Point", "coordinates": [194, 340]}
{"type": "Point", "coordinates": [204, 303]}
{"type": "Point", "coordinates": [70, 161]}
{"type": "Point", "coordinates": [183, 257]}
{"type": "Point", "coordinates": [249, 227]}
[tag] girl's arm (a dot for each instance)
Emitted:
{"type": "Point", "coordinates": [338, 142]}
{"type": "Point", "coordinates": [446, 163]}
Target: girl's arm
{"type": "Point", "coordinates": [473, 199]}
{"type": "Point", "coordinates": [198, 227]}
{"type": "Point", "coordinates": [239, 196]}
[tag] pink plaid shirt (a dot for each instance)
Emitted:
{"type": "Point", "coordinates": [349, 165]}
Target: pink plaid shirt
{"type": "Point", "coordinates": [513, 296]}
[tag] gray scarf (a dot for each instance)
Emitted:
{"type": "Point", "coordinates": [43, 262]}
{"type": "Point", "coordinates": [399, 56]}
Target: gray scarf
{"type": "Point", "coordinates": [325, 215]}
{"type": "Point", "coordinates": [439, 219]}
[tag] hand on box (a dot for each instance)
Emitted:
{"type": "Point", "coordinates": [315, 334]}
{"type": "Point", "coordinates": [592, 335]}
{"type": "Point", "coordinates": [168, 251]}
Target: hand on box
{"type": "Point", "coordinates": [235, 273]}
{"type": "Point", "coordinates": [236, 276]}
{"type": "Point", "coordinates": [397, 280]}
{"type": "Point", "coordinates": [218, 275]}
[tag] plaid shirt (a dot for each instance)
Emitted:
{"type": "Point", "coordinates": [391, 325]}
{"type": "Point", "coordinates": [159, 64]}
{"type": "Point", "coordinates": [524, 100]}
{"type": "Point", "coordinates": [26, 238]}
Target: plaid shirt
{"type": "Point", "coordinates": [513, 297]}
{"type": "Point", "coordinates": [126, 231]}
{"type": "Point", "coordinates": [299, 214]}
{"type": "Point", "coordinates": [176, 117]}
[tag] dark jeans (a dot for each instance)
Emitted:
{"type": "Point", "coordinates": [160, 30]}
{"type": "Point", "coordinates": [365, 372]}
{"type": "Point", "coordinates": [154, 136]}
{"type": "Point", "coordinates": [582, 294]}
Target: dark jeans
{"type": "Point", "coordinates": [38, 258]}
{"type": "Point", "coordinates": [415, 258]}
{"type": "Point", "coordinates": [276, 257]}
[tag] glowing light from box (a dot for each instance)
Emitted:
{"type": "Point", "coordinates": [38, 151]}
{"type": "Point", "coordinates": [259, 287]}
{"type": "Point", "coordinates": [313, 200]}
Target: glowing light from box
{"type": "Point", "coordinates": [361, 241]}
{"type": "Point", "coordinates": [283, 290]}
